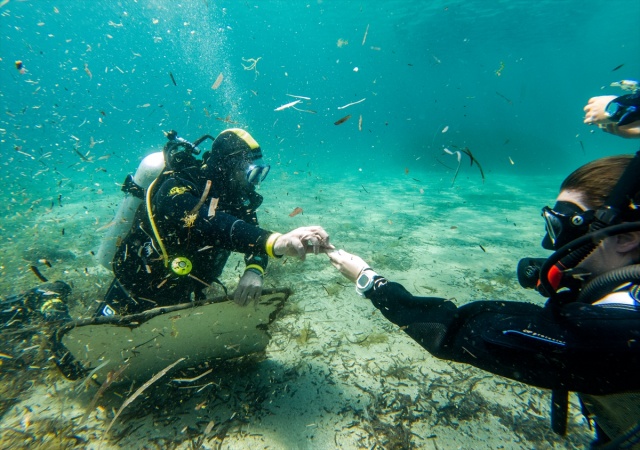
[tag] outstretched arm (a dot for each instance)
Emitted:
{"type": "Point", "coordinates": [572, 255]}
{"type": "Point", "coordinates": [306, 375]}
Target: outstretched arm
{"type": "Point", "coordinates": [580, 348]}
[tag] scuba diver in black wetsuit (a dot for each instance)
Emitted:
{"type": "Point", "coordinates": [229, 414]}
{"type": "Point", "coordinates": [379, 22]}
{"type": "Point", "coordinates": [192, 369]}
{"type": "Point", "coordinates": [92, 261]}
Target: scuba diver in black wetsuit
{"type": "Point", "coordinates": [47, 302]}
{"type": "Point", "coordinates": [587, 336]}
{"type": "Point", "coordinates": [193, 215]}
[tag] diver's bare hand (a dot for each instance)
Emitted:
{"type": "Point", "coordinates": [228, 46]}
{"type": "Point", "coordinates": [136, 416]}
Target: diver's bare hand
{"type": "Point", "coordinates": [302, 241]}
{"type": "Point", "coordinates": [594, 111]}
{"type": "Point", "coordinates": [349, 265]}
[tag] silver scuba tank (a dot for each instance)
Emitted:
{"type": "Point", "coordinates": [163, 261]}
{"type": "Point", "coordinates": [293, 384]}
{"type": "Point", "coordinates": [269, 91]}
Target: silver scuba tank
{"type": "Point", "coordinates": [148, 170]}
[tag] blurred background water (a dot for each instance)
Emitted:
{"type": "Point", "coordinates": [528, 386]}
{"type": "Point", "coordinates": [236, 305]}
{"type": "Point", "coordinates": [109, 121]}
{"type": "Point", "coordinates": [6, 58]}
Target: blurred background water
{"type": "Point", "coordinates": [508, 78]}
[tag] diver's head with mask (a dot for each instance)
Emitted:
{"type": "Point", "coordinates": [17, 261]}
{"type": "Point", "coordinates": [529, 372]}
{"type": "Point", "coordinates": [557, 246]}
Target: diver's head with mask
{"type": "Point", "coordinates": [593, 228]}
{"type": "Point", "coordinates": [235, 162]}
{"type": "Point", "coordinates": [582, 194]}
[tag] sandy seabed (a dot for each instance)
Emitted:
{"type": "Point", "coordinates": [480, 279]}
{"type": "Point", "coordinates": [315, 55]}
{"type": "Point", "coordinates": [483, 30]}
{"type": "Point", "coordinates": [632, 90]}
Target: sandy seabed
{"type": "Point", "coordinates": [336, 373]}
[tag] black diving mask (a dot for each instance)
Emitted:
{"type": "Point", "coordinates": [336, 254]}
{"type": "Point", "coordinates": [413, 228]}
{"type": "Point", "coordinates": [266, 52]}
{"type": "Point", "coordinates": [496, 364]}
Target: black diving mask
{"type": "Point", "coordinates": [564, 223]}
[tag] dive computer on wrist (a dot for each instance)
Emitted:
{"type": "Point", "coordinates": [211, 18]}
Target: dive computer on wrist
{"type": "Point", "coordinates": [613, 110]}
{"type": "Point", "coordinates": [365, 281]}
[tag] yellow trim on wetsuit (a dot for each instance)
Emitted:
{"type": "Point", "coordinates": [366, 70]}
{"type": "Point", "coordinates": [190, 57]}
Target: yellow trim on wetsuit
{"type": "Point", "coordinates": [255, 267]}
{"type": "Point", "coordinates": [270, 243]}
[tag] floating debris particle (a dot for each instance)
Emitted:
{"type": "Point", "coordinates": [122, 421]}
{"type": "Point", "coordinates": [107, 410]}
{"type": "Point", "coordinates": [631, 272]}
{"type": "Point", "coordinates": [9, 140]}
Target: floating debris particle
{"type": "Point", "coordinates": [287, 105]}
{"type": "Point", "coordinates": [298, 96]}
{"type": "Point", "coordinates": [20, 67]}
{"type": "Point", "coordinates": [364, 39]}
{"type": "Point", "coordinates": [218, 82]}
{"type": "Point", "coordinates": [445, 129]}
{"type": "Point", "coordinates": [37, 273]}
{"type": "Point", "coordinates": [295, 212]}
{"type": "Point", "coordinates": [87, 71]}
{"type": "Point", "coordinates": [507, 99]}
{"type": "Point", "coordinates": [351, 104]}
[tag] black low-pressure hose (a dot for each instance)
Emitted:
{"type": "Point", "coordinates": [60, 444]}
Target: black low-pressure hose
{"type": "Point", "coordinates": [201, 139]}
{"type": "Point", "coordinates": [570, 255]}
{"type": "Point", "coordinates": [606, 283]}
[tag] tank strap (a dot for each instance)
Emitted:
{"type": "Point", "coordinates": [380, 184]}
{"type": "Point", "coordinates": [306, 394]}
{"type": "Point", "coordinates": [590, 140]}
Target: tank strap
{"type": "Point", "coordinates": [131, 187]}
{"type": "Point", "coordinates": [205, 194]}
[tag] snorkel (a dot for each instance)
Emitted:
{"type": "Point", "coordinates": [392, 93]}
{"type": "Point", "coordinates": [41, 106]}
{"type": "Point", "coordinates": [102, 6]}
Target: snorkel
{"type": "Point", "coordinates": [606, 223]}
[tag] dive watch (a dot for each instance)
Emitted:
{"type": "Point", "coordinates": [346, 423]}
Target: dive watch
{"type": "Point", "coordinates": [365, 281]}
{"type": "Point", "coordinates": [613, 110]}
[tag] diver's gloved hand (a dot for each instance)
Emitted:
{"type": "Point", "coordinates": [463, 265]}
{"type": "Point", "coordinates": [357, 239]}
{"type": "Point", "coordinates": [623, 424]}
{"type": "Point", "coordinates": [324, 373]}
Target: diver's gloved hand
{"type": "Point", "coordinates": [302, 241]}
{"type": "Point", "coordinates": [249, 288]}
{"type": "Point", "coordinates": [349, 265]}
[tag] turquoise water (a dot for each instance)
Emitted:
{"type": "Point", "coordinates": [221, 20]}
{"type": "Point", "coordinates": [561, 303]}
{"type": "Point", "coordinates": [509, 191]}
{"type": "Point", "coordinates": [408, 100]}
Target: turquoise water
{"type": "Point", "coordinates": [505, 79]}
{"type": "Point", "coordinates": [423, 66]}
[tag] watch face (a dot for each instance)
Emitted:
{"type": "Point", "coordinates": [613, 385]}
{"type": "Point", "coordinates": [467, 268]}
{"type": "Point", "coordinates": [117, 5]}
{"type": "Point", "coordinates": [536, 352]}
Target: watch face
{"type": "Point", "coordinates": [612, 108]}
{"type": "Point", "coordinates": [362, 281]}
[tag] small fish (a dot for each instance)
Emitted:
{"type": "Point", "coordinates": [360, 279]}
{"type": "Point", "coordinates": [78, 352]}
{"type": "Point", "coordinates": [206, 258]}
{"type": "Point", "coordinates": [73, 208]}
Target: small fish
{"type": "Point", "coordinates": [482, 248]}
{"type": "Point", "coordinates": [173, 80]}
{"type": "Point", "coordinates": [295, 212]}
{"type": "Point", "coordinates": [45, 262]}
{"type": "Point", "coordinates": [360, 123]}
{"type": "Point", "coordinates": [618, 67]}
{"type": "Point", "coordinates": [343, 120]}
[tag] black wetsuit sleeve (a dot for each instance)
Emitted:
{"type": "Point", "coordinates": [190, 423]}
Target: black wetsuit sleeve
{"type": "Point", "coordinates": [174, 202]}
{"type": "Point", "coordinates": [257, 256]}
{"type": "Point", "coordinates": [583, 348]}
